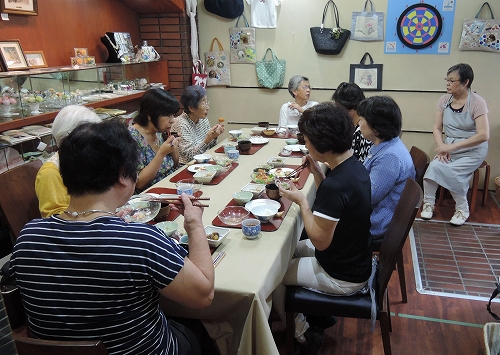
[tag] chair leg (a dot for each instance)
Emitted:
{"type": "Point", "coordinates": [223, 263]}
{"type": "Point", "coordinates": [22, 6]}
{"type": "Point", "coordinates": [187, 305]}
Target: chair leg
{"type": "Point", "coordinates": [486, 184]}
{"type": "Point", "coordinates": [475, 182]}
{"type": "Point", "coordinates": [388, 307]}
{"type": "Point", "coordinates": [385, 329]}
{"type": "Point", "coordinates": [290, 333]}
{"type": "Point", "coordinates": [441, 196]}
{"type": "Point", "coordinates": [402, 279]}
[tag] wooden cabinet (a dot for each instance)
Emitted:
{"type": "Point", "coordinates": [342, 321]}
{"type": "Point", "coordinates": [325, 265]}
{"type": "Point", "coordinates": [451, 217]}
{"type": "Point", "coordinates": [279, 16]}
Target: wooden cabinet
{"type": "Point", "coordinates": [154, 6]}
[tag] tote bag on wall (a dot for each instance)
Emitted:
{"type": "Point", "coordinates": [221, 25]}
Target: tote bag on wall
{"type": "Point", "coordinates": [480, 34]}
{"type": "Point", "coordinates": [329, 40]}
{"type": "Point", "coordinates": [242, 43]}
{"type": "Point", "coordinates": [217, 64]}
{"type": "Point", "coordinates": [270, 73]}
{"type": "Point", "coordinates": [367, 26]}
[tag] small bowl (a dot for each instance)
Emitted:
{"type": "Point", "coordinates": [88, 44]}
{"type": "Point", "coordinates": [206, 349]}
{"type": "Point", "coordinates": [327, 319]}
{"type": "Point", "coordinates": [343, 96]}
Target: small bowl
{"type": "Point", "coordinates": [191, 182]}
{"type": "Point", "coordinates": [216, 168]}
{"type": "Point", "coordinates": [168, 227]}
{"type": "Point", "coordinates": [244, 145]}
{"type": "Point", "coordinates": [236, 133]}
{"type": "Point", "coordinates": [262, 178]}
{"type": "Point", "coordinates": [258, 130]}
{"type": "Point", "coordinates": [304, 150]}
{"type": "Point", "coordinates": [222, 232]}
{"type": "Point", "coordinates": [264, 124]}
{"type": "Point", "coordinates": [281, 132]}
{"type": "Point", "coordinates": [222, 160]}
{"type": "Point", "coordinates": [272, 192]}
{"type": "Point", "coordinates": [263, 209]}
{"type": "Point", "coordinates": [242, 197]}
{"type": "Point", "coordinates": [283, 182]}
{"type": "Point", "coordinates": [286, 152]}
{"type": "Point", "coordinates": [250, 228]}
{"type": "Point", "coordinates": [233, 154]}
{"type": "Point", "coordinates": [202, 158]}
{"type": "Point", "coordinates": [204, 176]}
{"type": "Point", "coordinates": [276, 162]}
{"type": "Point", "coordinates": [228, 147]}
{"type": "Point", "coordinates": [138, 210]}
{"type": "Point", "coordinates": [255, 189]}
{"type": "Point", "coordinates": [291, 141]}
{"type": "Point", "coordinates": [269, 132]}
{"type": "Point", "coordinates": [233, 215]}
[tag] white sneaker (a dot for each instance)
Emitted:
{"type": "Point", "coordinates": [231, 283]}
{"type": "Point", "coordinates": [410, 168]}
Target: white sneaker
{"type": "Point", "coordinates": [459, 218]}
{"type": "Point", "coordinates": [427, 211]}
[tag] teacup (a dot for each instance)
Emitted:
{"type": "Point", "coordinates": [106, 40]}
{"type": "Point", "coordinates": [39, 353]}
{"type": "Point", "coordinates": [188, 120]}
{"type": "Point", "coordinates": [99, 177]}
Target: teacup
{"type": "Point", "coordinates": [272, 192]}
{"type": "Point", "coordinates": [233, 154]}
{"type": "Point", "coordinates": [186, 189]}
{"type": "Point", "coordinates": [228, 148]}
{"type": "Point", "coordinates": [250, 228]}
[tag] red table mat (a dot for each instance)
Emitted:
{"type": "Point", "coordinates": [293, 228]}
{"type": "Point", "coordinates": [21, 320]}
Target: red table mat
{"type": "Point", "coordinates": [186, 174]}
{"type": "Point", "coordinates": [270, 226]}
{"type": "Point", "coordinates": [274, 136]}
{"type": "Point", "coordinates": [254, 149]}
{"type": "Point", "coordinates": [298, 154]}
{"type": "Point", "coordinates": [164, 190]}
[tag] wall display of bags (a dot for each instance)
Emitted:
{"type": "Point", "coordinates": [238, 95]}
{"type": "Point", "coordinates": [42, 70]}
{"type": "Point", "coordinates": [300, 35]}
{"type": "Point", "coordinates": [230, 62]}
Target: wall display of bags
{"type": "Point", "coordinates": [366, 76]}
{"type": "Point", "coordinates": [329, 40]}
{"type": "Point", "coordinates": [367, 25]}
{"type": "Point", "coordinates": [242, 43]}
{"type": "Point", "coordinates": [271, 73]}
{"type": "Point", "coordinates": [480, 34]}
{"type": "Point", "coordinates": [217, 65]}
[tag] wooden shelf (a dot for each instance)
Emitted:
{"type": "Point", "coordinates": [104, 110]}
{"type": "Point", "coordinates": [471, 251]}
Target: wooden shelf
{"type": "Point", "coordinates": [154, 6]}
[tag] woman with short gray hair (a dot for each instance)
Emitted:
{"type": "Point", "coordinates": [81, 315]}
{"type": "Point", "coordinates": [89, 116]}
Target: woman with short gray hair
{"type": "Point", "coordinates": [300, 89]}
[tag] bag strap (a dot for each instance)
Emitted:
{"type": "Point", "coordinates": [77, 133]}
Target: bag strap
{"type": "Point", "coordinates": [366, 4]}
{"type": "Point", "coordinates": [335, 13]}
{"type": "Point", "coordinates": [272, 53]}
{"type": "Point", "coordinates": [364, 58]}
{"type": "Point", "coordinates": [481, 9]}
{"type": "Point", "coordinates": [198, 67]}
{"type": "Point", "coordinates": [493, 295]}
{"type": "Point", "coordinates": [212, 45]}
{"type": "Point", "coordinates": [238, 20]}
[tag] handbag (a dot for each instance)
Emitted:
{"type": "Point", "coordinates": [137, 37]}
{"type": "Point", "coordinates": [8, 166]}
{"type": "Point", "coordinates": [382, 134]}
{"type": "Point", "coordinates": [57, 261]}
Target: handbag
{"type": "Point", "coordinates": [366, 76]}
{"type": "Point", "coordinates": [242, 43]}
{"type": "Point", "coordinates": [199, 75]}
{"type": "Point", "coordinates": [367, 26]}
{"type": "Point", "coordinates": [329, 40]}
{"type": "Point", "coordinates": [480, 34]}
{"type": "Point", "coordinates": [225, 8]}
{"type": "Point", "coordinates": [217, 63]}
{"type": "Point", "coordinates": [270, 73]}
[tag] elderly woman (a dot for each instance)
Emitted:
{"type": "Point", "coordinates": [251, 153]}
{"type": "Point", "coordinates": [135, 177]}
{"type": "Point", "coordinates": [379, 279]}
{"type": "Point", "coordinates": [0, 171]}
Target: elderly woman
{"type": "Point", "coordinates": [193, 127]}
{"type": "Point", "coordinates": [52, 195]}
{"type": "Point", "coordinates": [300, 89]}
{"type": "Point", "coordinates": [159, 157]}
{"type": "Point", "coordinates": [337, 256]}
{"type": "Point", "coordinates": [348, 96]}
{"type": "Point", "coordinates": [388, 162]}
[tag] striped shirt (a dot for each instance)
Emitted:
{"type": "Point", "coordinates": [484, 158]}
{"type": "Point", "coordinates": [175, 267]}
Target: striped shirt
{"type": "Point", "coordinates": [97, 279]}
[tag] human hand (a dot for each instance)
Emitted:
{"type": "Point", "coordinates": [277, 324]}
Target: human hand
{"type": "Point", "coordinates": [443, 149]}
{"type": "Point", "coordinates": [296, 106]}
{"type": "Point", "coordinates": [313, 164]}
{"type": "Point", "coordinates": [443, 158]}
{"type": "Point", "coordinates": [192, 214]}
{"type": "Point", "coordinates": [293, 194]}
{"type": "Point", "coordinates": [170, 144]}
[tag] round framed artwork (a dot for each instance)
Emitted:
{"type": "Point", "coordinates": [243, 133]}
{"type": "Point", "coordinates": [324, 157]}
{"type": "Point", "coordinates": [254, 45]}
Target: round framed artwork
{"type": "Point", "coordinates": [419, 26]}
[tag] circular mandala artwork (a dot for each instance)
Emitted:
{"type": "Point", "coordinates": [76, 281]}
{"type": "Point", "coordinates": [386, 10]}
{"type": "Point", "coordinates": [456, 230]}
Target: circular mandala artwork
{"type": "Point", "coordinates": [419, 26]}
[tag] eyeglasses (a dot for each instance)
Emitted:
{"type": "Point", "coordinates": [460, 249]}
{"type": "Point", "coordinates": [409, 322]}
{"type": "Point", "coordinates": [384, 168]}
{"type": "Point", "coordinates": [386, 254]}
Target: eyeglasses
{"type": "Point", "coordinates": [205, 104]}
{"type": "Point", "coordinates": [305, 87]}
{"type": "Point", "coordinates": [451, 81]}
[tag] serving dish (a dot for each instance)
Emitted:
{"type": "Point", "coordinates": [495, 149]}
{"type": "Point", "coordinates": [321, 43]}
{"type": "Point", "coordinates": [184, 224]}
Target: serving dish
{"type": "Point", "coordinates": [263, 209]}
{"type": "Point", "coordinates": [204, 176]}
{"type": "Point", "coordinates": [294, 147]}
{"type": "Point", "coordinates": [197, 167]}
{"type": "Point", "coordinates": [219, 230]}
{"type": "Point", "coordinates": [255, 189]}
{"type": "Point", "coordinates": [276, 161]}
{"type": "Point", "coordinates": [139, 210]}
{"type": "Point", "coordinates": [258, 140]}
{"type": "Point", "coordinates": [233, 215]}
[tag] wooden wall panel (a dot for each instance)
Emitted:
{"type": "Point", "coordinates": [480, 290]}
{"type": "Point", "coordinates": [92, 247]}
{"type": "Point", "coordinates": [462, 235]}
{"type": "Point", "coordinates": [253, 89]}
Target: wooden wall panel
{"type": "Point", "coordinates": [62, 25]}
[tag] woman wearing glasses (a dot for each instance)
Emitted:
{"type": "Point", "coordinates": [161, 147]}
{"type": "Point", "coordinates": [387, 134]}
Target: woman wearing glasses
{"type": "Point", "coordinates": [193, 127]}
{"type": "Point", "coordinates": [300, 89]}
{"type": "Point", "coordinates": [158, 157]}
{"type": "Point", "coordinates": [464, 117]}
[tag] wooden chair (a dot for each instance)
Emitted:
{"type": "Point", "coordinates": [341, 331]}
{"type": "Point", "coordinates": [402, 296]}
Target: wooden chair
{"type": "Point", "coordinates": [18, 199]}
{"type": "Point", "coordinates": [301, 300]}
{"type": "Point", "coordinates": [475, 183]}
{"type": "Point", "coordinates": [31, 346]}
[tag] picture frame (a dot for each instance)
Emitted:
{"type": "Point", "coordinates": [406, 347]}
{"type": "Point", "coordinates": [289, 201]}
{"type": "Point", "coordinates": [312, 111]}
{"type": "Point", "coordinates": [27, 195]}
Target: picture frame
{"type": "Point", "coordinates": [19, 7]}
{"type": "Point", "coordinates": [36, 59]}
{"type": "Point", "coordinates": [12, 55]}
{"type": "Point", "coordinates": [366, 76]}
{"type": "Point", "coordinates": [81, 52]}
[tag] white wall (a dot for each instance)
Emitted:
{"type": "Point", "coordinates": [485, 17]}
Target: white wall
{"type": "Point", "coordinates": [414, 81]}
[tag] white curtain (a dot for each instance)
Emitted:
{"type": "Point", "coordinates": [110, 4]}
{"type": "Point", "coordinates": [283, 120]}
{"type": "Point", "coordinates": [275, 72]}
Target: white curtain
{"type": "Point", "coordinates": [191, 11]}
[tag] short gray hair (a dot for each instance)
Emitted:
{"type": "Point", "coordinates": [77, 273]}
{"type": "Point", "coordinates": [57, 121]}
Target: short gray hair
{"type": "Point", "coordinates": [68, 118]}
{"type": "Point", "coordinates": [294, 83]}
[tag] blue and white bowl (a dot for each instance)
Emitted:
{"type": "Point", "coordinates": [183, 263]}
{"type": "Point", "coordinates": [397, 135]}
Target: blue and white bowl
{"type": "Point", "coordinates": [250, 228]}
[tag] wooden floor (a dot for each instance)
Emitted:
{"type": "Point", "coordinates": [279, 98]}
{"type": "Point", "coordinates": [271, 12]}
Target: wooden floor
{"type": "Point", "coordinates": [426, 324]}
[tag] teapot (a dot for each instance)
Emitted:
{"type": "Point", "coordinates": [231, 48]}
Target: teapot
{"type": "Point", "coordinates": [146, 53]}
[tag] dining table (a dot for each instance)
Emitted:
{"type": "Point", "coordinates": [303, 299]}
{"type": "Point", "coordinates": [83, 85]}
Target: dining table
{"type": "Point", "coordinates": [238, 318]}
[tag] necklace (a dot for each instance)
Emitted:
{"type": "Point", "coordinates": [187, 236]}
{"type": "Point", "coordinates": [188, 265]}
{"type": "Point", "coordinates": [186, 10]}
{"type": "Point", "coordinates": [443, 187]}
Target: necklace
{"type": "Point", "coordinates": [115, 46]}
{"type": "Point", "coordinates": [85, 213]}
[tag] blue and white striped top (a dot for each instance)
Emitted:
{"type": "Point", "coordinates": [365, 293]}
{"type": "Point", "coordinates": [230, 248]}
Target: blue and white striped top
{"type": "Point", "coordinates": [97, 280]}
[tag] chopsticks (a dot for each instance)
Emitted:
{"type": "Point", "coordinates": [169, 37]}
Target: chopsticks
{"type": "Point", "coordinates": [175, 199]}
{"type": "Point", "coordinates": [297, 170]}
{"type": "Point", "coordinates": [218, 258]}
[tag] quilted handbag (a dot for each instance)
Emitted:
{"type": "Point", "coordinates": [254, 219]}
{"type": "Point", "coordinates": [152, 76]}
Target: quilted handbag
{"type": "Point", "coordinates": [242, 43]}
{"type": "Point", "coordinates": [217, 63]}
{"type": "Point", "coordinates": [271, 73]}
{"type": "Point", "coordinates": [329, 40]}
{"type": "Point", "coordinates": [199, 75]}
{"type": "Point", "coordinates": [367, 26]}
{"type": "Point", "coordinates": [480, 34]}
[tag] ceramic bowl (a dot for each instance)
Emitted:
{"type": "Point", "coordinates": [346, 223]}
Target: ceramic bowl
{"type": "Point", "coordinates": [202, 158]}
{"type": "Point", "coordinates": [244, 145]}
{"type": "Point", "coordinates": [236, 133]}
{"type": "Point", "coordinates": [204, 176]}
{"type": "Point", "coordinates": [168, 227]}
{"type": "Point", "coordinates": [281, 132]}
{"type": "Point", "coordinates": [191, 182]}
{"type": "Point", "coordinates": [286, 152]}
{"type": "Point", "coordinates": [264, 124]}
{"type": "Point", "coordinates": [137, 210]}
{"type": "Point", "coordinates": [276, 162]}
{"type": "Point", "coordinates": [269, 132]}
{"type": "Point", "coordinates": [258, 130]}
{"type": "Point", "coordinates": [263, 209]}
{"type": "Point", "coordinates": [227, 148]}
{"type": "Point", "coordinates": [272, 192]}
{"type": "Point", "coordinates": [242, 197]}
{"type": "Point", "coordinates": [217, 168]}
{"type": "Point", "coordinates": [222, 160]}
{"type": "Point", "coordinates": [291, 141]}
{"type": "Point", "coordinates": [250, 228]}
{"type": "Point", "coordinates": [233, 215]}
{"type": "Point", "coordinates": [233, 154]}
{"type": "Point", "coordinates": [215, 235]}
{"type": "Point", "coordinates": [255, 189]}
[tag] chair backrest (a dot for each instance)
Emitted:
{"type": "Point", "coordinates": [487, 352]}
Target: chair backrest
{"type": "Point", "coordinates": [18, 197]}
{"type": "Point", "coordinates": [421, 161]}
{"type": "Point", "coordinates": [31, 346]}
{"type": "Point", "coordinates": [397, 231]}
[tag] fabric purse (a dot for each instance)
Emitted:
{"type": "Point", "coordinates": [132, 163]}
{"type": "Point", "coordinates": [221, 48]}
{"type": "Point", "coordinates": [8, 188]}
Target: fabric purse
{"type": "Point", "coordinates": [480, 34]}
{"type": "Point", "coordinates": [242, 43]}
{"type": "Point", "coordinates": [270, 73]}
{"type": "Point", "coordinates": [225, 8]}
{"type": "Point", "coordinates": [217, 63]}
{"type": "Point", "coordinates": [366, 76]}
{"type": "Point", "coordinates": [329, 40]}
{"type": "Point", "coordinates": [199, 75]}
{"type": "Point", "coordinates": [367, 26]}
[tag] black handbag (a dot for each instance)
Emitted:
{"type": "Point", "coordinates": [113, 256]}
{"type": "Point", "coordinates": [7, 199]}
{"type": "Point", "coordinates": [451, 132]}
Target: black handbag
{"type": "Point", "coordinates": [225, 8]}
{"type": "Point", "coordinates": [366, 76]}
{"type": "Point", "coordinates": [329, 40]}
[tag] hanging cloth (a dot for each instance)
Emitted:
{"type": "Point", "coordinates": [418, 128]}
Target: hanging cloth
{"type": "Point", "coordinates": [191, 12]}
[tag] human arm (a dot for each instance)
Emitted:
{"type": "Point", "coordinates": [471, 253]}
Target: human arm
{"type": "Point", "coordinates": [192, 137]}
{"type": "Point", "coordinates": [52, 195]}
{"type": "Point", "coordinates": [213, 133]}
{"type": "Point", "coordinates": [384, 172]}
{"type": "Point", "coordinates": [315, 169]}
{"type": "Point", "coordinates": [283, 122]}
{"type": "Point", "coordinates": [193, 286]}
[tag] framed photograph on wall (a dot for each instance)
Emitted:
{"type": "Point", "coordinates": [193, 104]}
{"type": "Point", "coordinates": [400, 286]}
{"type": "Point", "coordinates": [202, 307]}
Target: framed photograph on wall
{"type": "Point", "coordinates": [19, 7]}
{"type": "Point", "coordinates": [12, 55]}
{"type": "Point", "coordinates": [35, 59]}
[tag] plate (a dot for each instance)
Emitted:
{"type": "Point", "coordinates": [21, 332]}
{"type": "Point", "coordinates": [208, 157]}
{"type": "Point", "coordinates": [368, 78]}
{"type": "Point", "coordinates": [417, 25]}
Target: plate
{"type": "Point", "coordinates": [295, 147]}
{"type": "Point", "coordinates": [258, 140]}
{"type": "Point", "coordinates": [280, 172]}
{"type": "Point", "coordinates": [197, 167]}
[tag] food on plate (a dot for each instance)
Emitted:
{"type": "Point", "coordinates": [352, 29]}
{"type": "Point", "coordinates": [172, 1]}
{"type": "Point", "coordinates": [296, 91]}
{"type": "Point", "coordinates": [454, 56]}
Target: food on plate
{"type": "Point", "coordinates": [213, 236]}
{"type": "Point", "coordinates": [279, 214]}
{"type": "Point", "coordinates": [262, 177]}
{"type": "Point", "coordinates": [295, 179]}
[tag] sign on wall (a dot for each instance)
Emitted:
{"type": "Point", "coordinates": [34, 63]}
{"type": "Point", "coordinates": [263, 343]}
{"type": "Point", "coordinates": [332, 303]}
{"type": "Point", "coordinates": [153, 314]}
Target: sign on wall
{"type": "Point", "coordinates": [419, 28]}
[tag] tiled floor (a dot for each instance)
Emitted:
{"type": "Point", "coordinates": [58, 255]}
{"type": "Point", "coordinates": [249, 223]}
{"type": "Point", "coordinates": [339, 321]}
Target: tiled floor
{"type": "Point", "coordinates": [463, 262]}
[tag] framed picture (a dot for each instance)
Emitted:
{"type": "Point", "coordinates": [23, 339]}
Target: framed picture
{"type": "Point", "coordinates": [12, 55]}
{"type": "Point", "coordinates": [81, 52]}
{"type": "Point", "coordinates": [35, 59]}
{"type": "Point", "coordinates": [19, 7]}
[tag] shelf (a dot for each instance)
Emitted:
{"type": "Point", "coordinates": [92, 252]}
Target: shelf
{"type": "Point", "coordinates": [155, 6]}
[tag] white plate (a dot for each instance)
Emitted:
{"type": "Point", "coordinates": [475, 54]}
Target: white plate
{"type": "Point", "coordinates": [280, 172]}
{"type": "Point", "coordinates": [294, 147]}
{"type": "Point", "coordinates": [259, 140]}
{"type": "Point", "coordinates": [197, 167]}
